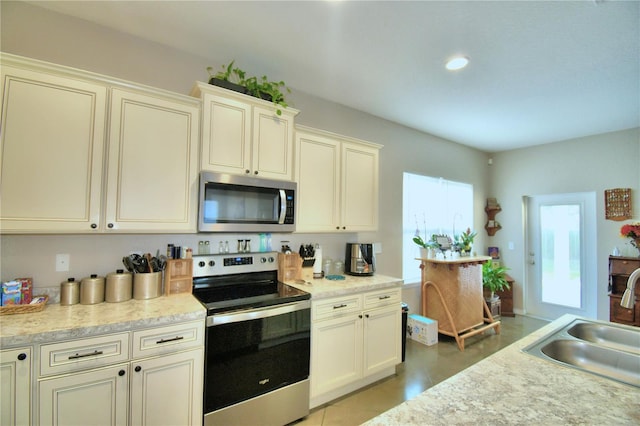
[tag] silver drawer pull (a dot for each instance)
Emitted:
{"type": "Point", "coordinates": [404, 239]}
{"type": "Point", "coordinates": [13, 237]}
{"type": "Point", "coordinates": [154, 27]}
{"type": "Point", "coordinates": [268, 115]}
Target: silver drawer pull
{"type": "Point", "coordinates": [94, 353]}
{"type": "Point", "coordinates": [169, 340]}
{"type": "Point", "coordinates": [340, 306]}
{"type": "Point", "coordinates": [384, 297]}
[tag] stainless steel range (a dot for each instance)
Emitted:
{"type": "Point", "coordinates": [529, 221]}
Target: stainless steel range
{"type": "Point", "coordinates": [258, 341]}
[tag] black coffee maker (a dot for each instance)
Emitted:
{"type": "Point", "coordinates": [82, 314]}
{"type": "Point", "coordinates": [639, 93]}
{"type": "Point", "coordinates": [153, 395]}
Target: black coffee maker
{"type": "Point", "coordinates": [359, 259]}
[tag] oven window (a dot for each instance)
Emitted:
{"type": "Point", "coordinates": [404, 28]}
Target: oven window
{"type": "Point", "coordinates": [237, 204]}
{"type": "Point", "coordinates": [249, 358]}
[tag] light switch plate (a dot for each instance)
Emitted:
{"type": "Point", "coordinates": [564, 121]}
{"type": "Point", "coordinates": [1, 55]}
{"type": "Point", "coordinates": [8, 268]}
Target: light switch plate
{"type": "Point", "coordinates": [62, 262]}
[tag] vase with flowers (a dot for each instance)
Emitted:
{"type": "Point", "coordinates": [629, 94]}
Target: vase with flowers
{"type": "Point", "coordinates": [632, 230]}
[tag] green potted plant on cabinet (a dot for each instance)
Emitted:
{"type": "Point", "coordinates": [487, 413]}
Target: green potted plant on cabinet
{"type": "Point", "coordinates": [233, 78]}
{"type": "Point", "coordinates": [493, 279]}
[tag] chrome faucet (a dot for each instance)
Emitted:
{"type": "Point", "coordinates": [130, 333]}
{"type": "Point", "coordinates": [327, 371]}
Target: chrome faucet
{"type": "Point", "coordinates": [629, 296]}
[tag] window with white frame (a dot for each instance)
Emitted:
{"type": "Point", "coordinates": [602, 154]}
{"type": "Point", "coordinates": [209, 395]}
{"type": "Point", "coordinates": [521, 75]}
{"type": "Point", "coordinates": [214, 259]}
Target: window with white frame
{"type": "Point", "coordinates": [431, 206]}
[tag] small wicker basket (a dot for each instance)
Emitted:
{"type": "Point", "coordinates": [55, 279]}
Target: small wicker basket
{"type": "Point", "coordinates": [24, 309]}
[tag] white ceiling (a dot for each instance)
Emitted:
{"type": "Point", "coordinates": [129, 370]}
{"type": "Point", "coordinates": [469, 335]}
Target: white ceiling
{"type": "Point", "coordinates": [540, 71]}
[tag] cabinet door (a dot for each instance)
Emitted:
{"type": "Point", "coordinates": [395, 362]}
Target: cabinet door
{"type": "Point", "coordinates": [51, 154]}
{"type": "Point", "coordinates": [226, 135]}
{"type": "Point", "coordinates": [168, 390]}
{"type": "Point", "coordinates": [336, 353]}
{"type": "Point", "coordinates": [95, 397]}
{"type": "Point", "coordinates": [318, 177]}
{"type": "Point", "coordinates": [272, 150]}
{"type": "Point", "coordinates": [359, 195]}
{"type": "Point", "coordinates": [15, 387]}
{"type": "Point", "coordinates": [153, 164]}
{"type": "Point", "coordinates": [382, 338]}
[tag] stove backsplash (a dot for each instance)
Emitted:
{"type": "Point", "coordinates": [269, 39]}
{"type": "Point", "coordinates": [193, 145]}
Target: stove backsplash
{"type": "Point", "coordinates": [35, 255]}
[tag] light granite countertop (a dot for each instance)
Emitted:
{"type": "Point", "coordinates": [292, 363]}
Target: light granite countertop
{"type": "Point", "coordinates": [512, 387]}
{"type": "Point", "coordinates": [322, 288]}
{"type": "Point", "coordinates": [57, 322]}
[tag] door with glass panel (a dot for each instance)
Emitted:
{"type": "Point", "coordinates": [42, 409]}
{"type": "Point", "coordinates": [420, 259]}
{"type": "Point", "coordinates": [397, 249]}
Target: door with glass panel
{"type": "Point", "coordinates": [561, 255]}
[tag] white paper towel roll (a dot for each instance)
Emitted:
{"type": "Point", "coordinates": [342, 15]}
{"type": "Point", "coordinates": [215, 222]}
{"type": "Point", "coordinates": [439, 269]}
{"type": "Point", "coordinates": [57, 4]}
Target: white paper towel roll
{"type": "Point", "coordinates": [317, 265]}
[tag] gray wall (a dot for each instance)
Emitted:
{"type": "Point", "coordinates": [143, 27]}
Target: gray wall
{"type": "Point", "coordinates": [587, 164]}
{"type": "Point", "coordinates": [34, 32]}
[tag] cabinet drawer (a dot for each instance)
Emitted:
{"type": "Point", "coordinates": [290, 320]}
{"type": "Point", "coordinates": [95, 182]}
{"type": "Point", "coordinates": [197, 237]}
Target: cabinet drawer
{"type": "Point", "coordinates": [624, 266]}
{"type": "Point", "coordinates": [382, 298]}
{"type": "Point", "coordinates": [173, 338]}
{"type": "Point", "coordinates": [619, 314]}
{"type": "Point", "coordinates": [332, 308]}
{"type": "Point", "coordinates": [82, 354]}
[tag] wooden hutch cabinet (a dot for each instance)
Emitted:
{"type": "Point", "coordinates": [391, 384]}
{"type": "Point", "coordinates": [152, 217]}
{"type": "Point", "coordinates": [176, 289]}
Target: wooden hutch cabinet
{"type": "Point", "coordinates": [619, 270]}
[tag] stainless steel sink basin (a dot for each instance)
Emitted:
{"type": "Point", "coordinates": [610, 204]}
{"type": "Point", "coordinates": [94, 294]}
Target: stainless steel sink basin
{"type": "Point", "coordinates": [606, 349]}
{"type": "Point", "coordinates": [605, 335]}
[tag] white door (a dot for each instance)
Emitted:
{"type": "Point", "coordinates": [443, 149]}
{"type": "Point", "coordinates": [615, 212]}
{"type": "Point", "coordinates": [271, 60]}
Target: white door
{"type": "Point", "coordinates": [561, 255]}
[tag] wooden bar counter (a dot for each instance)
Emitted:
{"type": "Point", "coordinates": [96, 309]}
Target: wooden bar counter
{"type": "Point", "coordinates": [452, 295]}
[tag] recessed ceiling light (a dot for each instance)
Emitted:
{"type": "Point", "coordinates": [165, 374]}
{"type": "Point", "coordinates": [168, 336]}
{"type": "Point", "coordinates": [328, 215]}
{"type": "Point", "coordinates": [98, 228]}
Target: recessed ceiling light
{"type": "Point", "coordinates": [457, 63]}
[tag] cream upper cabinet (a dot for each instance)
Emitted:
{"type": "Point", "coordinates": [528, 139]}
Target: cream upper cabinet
{"type": "Point", "coordinates": [359, 190]}
{"type": "Point", "coordinates": [337, 182]}
{"type": "Point", "coordinates": [53, 130]}
{"type": "Point", "coordinates": [62, 173]}
{"type": "Point", "coordinates": [153, 163]}
{"type": "Point", "coordinates": [318, 176]}
{"type": "Point", "coordinates": [15, 386]}
{"type": "Point", "coordinates": [244, 135]}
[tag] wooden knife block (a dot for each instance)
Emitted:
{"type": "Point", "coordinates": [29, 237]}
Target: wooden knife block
{"type": "Point", "coordinates": [178, 276]}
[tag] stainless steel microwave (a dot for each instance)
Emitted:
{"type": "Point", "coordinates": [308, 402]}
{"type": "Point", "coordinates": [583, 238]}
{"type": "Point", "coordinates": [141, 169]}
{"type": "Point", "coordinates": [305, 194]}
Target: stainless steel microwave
{"type": "Point", "coordinates": [230, 203]}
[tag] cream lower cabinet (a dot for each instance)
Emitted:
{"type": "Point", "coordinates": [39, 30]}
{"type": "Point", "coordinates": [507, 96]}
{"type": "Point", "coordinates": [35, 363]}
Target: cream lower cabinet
{"type": "Point", "coordinates": [244, 135]}
{"type": "Point", "coordinates": [15, 386]}
{"type": "Point", "coordinates": [147, 377]}
{"type": "Point", "coordinates": [337, 182]}
{"type": "Point", "coordinates": [57, 168]}
{"type": "Point", "coordinates": [355, 341]}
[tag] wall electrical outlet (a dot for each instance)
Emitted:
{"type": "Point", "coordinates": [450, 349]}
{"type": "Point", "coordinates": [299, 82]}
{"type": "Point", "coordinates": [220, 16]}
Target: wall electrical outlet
{"type": "Point", "coordinates": [62, 262]}
{"type": "Point", "coordinates": [377, 248]}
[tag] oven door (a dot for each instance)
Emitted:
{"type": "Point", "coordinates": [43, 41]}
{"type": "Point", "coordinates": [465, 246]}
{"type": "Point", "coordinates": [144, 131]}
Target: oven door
{"type": "Point", "coordinates": [250, 353]}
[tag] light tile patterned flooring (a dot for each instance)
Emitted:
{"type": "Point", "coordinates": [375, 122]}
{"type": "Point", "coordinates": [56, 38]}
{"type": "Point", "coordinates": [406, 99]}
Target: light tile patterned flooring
{"type": "Point", "coordinates": [424, 367]}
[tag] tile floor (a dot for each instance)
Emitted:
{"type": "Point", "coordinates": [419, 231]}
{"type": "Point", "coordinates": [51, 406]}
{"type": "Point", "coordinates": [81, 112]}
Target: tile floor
{"type": "Point", "coordinates": [424, 367]}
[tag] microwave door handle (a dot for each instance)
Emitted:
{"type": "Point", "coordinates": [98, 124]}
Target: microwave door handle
{"type": "Point", "coordinates": [283, 207]}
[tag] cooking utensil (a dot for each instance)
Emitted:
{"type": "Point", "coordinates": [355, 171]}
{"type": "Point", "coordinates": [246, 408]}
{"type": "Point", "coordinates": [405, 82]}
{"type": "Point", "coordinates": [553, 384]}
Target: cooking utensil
{"type": "Point", "coordinates": [128, 263]}
{"type": "Point", "coordinates": [149, 263]}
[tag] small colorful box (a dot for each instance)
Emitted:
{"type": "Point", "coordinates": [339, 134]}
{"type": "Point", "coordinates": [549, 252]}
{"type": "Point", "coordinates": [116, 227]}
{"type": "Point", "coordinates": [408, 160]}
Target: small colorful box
{"type": "Point", "coordinates": [11, 293]}
{"type": "Point", "coordinates": [422, 329]}
{"type": "Point", "coordinates": [26, 290]}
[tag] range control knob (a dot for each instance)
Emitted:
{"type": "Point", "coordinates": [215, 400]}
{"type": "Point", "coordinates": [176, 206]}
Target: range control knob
{"type": "Point", "coordinates": [271, 259]}
{"type": "Point", "coordinates": [263, 260]}
{"type": "Point", "coordinates": [212, 263]}
{"type": "Point", "coordinates": [201, 264]}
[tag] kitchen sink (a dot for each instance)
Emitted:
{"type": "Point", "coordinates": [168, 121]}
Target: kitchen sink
{"type": "Point", "coordinates": [606, 349]}
{"type": "Point", "coordinates": [605, 335]}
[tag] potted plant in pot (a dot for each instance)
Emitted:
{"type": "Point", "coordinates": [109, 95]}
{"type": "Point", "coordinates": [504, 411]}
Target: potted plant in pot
{"type": "Point", "coordinates": [425, 246]}
{"type": "Point", "coordinates": [229, 77]}
{"type": "Point", "coordinates": [233, 78]}
{"type": "Point", "coordinates": [493, 279]}
{"type": "Point", "coordinates": [464, 241]}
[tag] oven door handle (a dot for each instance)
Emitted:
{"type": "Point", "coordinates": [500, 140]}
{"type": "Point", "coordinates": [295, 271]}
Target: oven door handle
{"type": "Point", "coordinates": [257, 313]}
